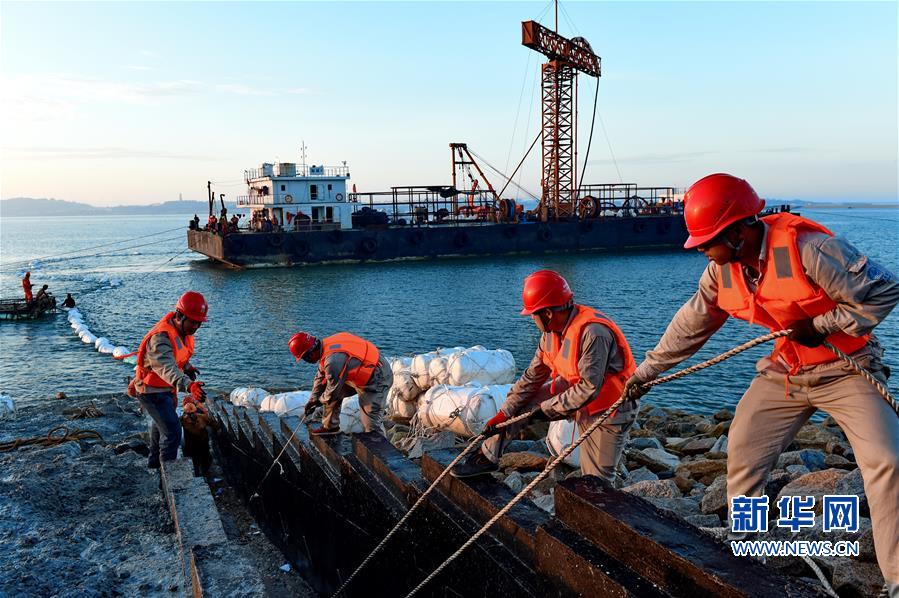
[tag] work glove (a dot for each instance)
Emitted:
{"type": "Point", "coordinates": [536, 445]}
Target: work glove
{"type": "Point", "coordinates": [635, 388]}
{"type": "Point", "coordinates": [191, 372]}
{"type": "Point", "coordinates": [196, 391]}
{"type": "Point", "coordinates": [805, 333]}
{"type": "Point", "coordinates": [490, 429]}
{"type": "Point", "coordinates": [310, 408]}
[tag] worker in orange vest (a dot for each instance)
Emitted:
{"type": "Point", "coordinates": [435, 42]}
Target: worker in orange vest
{"type": "Point", "coordinates": [579, 369]}
{"type": "Point", "coordinates": [26, 286]}
{"type": "Point", "coordinates": [163, 368]}
{"type": "Point", "coordinates": [782, 271]}
{"type": "Point", "coordinates": [347, 365]}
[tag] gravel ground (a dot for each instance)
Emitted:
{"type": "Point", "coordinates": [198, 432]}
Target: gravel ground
{"type": "Point", "coordinates": [77, 519]}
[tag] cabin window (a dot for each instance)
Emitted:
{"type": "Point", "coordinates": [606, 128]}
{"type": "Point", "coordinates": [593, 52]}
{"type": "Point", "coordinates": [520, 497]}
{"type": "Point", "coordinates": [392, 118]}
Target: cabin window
{"type": "Point", "coordinates": [283, 188]}
{"type": "Point", "coordinates": [315, 214]}
{"type": "Point", "coordinates": [313, 192]}
{"type": "Point", "coordinates": [329, 186]}
{"type": "Point", "coordinates": [329, 213]}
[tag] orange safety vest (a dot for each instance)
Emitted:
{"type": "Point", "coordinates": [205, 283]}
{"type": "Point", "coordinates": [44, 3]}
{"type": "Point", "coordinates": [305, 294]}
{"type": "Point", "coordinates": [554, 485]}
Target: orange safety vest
{"type": "Point", "coordinates": [784, 295]}
{"type": "Point", "coordinates": [26, 286]}
{"type": "Point", "coordinates": [183, 348]}
{"type": "Point", "coordinates": [563, 356]}
{"type": "Point", "coordinates": [353, 346]}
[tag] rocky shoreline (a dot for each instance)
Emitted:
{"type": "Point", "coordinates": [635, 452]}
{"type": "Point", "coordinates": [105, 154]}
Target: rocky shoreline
{"type": "Point", "coordinates": [678, 462]}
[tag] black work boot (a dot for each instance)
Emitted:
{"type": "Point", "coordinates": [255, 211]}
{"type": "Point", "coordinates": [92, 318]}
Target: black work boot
{"type": "Point", "coordinates": [474, 465]}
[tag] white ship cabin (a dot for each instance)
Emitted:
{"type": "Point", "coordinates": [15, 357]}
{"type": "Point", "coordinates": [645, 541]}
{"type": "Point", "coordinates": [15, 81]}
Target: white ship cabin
{"type": "Point", "coordinates": [305, 198]}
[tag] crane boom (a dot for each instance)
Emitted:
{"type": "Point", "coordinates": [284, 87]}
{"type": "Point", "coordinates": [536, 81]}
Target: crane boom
{"type": "Point", "coordinates": [576, 52]}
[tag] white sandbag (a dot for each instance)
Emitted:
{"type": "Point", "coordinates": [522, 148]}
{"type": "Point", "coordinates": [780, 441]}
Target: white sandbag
{"type": "Point", "coordinates": [78, 327]}
{"type": "Point", "coordinates": [75, 315]}
{"type": "Point", "coordinates": [100, 341]}
{"type": "Point", "coordinates": [480, 365]}
{"type": "Point", "coordinates": [400, 364]}
{"type": "Point", "coordinates": [399, 408]}
{"type": "Point", "coordinates": [437, 371]}
{"type": "Point", "coordinates": [421, 365]}
{"type": "Point", "coordinates": [286, 403]}
{"type": "Point", "coordinates": [404, 386]}
{"type": "Point", "coordinates": [7, 407]}
{"type": "Point", "coordinates": [87, 337]}
{"type": "Point", "coordinates": [478, 404]}
{"type": "Point", "coordinates": [248, 397]}
{"type": "Point", "coordinates": [350, 422]}
{"type": "Point", "coordinates": [120, 351]}
{"type": "Point", "coordinates": [560, 436]}
{"type": "Point", "coordinates": [106, 348]}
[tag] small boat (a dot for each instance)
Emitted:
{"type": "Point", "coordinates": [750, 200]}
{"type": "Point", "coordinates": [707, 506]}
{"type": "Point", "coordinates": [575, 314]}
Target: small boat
{"type": "Point", "coordinates": [19, 309]}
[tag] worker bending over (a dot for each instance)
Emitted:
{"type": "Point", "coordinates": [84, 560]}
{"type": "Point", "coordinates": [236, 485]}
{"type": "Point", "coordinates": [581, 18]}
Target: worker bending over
{"type": "Point", "coordinates": [581, 365]}
{"type": "Point", "coordinates": [163, 368]}
{"type": "Point", "coordinates": [786, 272]}
{"type": "Point", "coordinates": [347, 365]}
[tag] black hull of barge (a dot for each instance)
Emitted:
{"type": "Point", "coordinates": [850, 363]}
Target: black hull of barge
{"type": "Point", "coordinates": [431, 242]}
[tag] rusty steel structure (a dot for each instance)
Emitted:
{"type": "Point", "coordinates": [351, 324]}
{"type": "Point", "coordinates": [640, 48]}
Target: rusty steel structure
{"type": "Point", "coordinates": [567, 57]}
{"type": "Point", "coordinates": [462, 163]}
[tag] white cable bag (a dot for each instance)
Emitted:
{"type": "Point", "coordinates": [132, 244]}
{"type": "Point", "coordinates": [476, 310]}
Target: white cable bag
{"type": "Point", "coordinates": [103, 345]}
{"type": "Point", "coordinates": [120, 352]}
{"type": "Point", "coordinates": [562, 433]}
{"type": "Point", "coordinates": [400, 364]}
{"type": "Point", "coordinates": [350, 422]}
{"type": "Point", "coordinates": [7, 407]}
{"type": "Point", "coordinates": [480, 365]}
{"type": "Point", "coordinates": [247, 397]}
{"type": "Point", "coordinates": [421, 366]}
{"type": "Point", "coordinates": [404, 387]}
{"type": "Point", "coordinates": [87, 337]}
{"type": "Point", "coordinates": [472, 405]}
{"type": "Point", "coordinates": [399, 408]}
{"type": "Point", "coordinates": [286, 403]}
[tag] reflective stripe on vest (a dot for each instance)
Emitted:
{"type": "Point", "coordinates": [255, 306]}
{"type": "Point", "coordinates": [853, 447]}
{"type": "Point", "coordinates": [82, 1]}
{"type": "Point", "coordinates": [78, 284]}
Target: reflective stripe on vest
{"type": "Point", "coordinates": [355, 347]}
{"type": "Point", "coordinates": [563, 357]}
{"type": "Point", "coordinates": [785, 294]}
{"type": "Point", "coordinates": [183, 349]}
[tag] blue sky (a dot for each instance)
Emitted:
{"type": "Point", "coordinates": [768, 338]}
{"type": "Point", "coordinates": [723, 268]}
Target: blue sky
{"type": "Point", "coordinates": [113, 103]}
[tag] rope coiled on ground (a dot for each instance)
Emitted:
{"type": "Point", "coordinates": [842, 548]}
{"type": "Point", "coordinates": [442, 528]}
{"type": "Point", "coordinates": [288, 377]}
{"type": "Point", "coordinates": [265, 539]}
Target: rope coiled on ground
{"type": "Point", "coordinates": [51, 439]}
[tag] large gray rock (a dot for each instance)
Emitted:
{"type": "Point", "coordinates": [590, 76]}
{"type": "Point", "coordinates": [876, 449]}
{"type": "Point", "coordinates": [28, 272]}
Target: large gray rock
{"type": "Point", "coordinates": [796, 471]}
{"type": "Point", "coordinates": [724, 415]}
{"type": "Point", "coordinates": [817, 484]}
{"type": "Point", "coordinates": [838, 462]}
{"type": "Point", "coordinates": [654, 489]}
{"type": "Point", "coordinates": [715, 500]}
{"type": "Point", "coordinates": [639, 475]}
{"type": "Point", "coordinates": [702, 470]}
{"type": "Point", "coordinates": [525, 461]}
{"type": "Point", "coordinates": [645, 443]}
{"type": "Point", "coordinates": [852, 483]}
{"type": "Point", "coordinates": [698, 446]}
{"type": "Point", "coordinates": [704, 520]}
{"type": "Point", "coordinates": [720, 445]}
{"type": "Point", "coordinates": [856, 578]}
{"type": "Point", "coordinates": [655, 459]}
{"type": "Point", "coordinates": [514, 481]}
{"type": "Point", "coordinates": [815, 437]}
{"type": "Point", "coordinates": [812, 459]}
{"type": "Point", "coordinates": [683, 507]}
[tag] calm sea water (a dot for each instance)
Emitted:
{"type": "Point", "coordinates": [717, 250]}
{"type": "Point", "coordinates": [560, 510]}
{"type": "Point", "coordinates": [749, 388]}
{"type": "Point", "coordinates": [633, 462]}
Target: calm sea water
{"type": "Point", "coordinates": [404, 308]}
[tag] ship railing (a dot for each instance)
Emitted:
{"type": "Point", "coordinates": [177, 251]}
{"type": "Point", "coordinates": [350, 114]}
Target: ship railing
{"type": "Point", "coordinates": [255, 200]}
{"type": "Point", "coordinates": [309, 171]}
{"type": "Point", "coordinates": [430, 205]}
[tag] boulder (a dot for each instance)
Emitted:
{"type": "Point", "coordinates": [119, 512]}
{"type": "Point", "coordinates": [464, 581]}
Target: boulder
{"type": "Point", "coordinates": [525, 461]}
{"type": "Point", "coordinates": [514, 482]}
{"type": "Point", "coordinates": [675, 441]}
{"type": "Point", "coordinates": [817, 484]}
{"type": "Point", "coordinates": [812, 459]}
{"type": "Point", "coordinates": [641, 433]}
{"type": "Point", "coordinates": [704, 520]}
{"type": "Point", "coordinates": [715, 499]}
{"type": "Point", "coordinates": [720, 445]}
{"type": "Point", "coordinates": [639, 475]}
{"type": "Point", "coordinates": [814, 437]}
{"type": "Point", "coordinates": [702, 470]}
{"type": "Point", "coordinates": [838, 462]}
{"type": "Point", "coordinates": [698, 446]}
{"type": "Point", "coordinates": [856, 578]}
{"type": "Point", "coordinates": [685, 485]}
{"type": "Point", "coordinates": [852, 483]}
{"type": "Point", "coordinates": [711, 429]}
{"type": "Point", "coordinates": [683, 507]}
{"type": "Point", "coordinates": [654, 489]}
{"type": "Point", "coordinates": [837, 447]}
{"type": "Point", "coordinates": [645, 443]}
{"type": "Point", "coordinates": [724, 415]}
{"type": "Point", "coordinates": [796, 471]}
{"type": "Point", "coordinates": [655, 459]}
{"type": "Point", "coordinates": [546, 502]}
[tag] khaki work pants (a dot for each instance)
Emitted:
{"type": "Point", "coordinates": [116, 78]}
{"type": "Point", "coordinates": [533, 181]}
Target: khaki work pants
{"type": "Point", "coordinates": [601, 450]}
{"type": "Point", "coordinates": [371, 401]}
{"type": "Point", "coordinates": [767, 419]}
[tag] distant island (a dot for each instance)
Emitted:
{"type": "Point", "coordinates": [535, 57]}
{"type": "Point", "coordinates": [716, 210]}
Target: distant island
{"type": "Point", "coordinates": [29, 206]}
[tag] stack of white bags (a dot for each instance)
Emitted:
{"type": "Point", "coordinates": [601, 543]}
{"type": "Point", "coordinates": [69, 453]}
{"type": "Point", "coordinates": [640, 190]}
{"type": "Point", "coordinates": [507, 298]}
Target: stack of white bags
{"type": "Point", "coordinates": [101, 344]}
{"type": "Point", "coordinates": [292, 403]}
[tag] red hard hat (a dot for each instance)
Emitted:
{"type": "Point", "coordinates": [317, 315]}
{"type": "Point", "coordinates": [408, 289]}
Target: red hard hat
{"type": "Point", "coordinates": [714, 202]}
{"type": "Point", "coordinates": [544, 288]}
{"type": "Point", "coordinates": [300, 343]}
{"type": "Point", "coordinates": [193, 305]}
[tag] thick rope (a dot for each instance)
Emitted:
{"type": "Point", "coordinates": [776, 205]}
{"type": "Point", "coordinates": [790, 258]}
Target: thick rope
{"type": "Point", "coordinates": [861, 371]}
{"type": "Point", "coordinates": [474, 442]}
{"type": "Point", "coordinates": [821, 577]}
{"type": "Point", "coordinates": [51, 439]}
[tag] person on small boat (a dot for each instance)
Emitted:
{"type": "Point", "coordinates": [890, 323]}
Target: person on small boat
{"type": "Point", "coordinates": [42, 295]}
{"type": "Point", "coordinates": [69, 301]}
{"type": "Point", "coordinates": [163, 368]}
{"type": "Point", "coordinates": [579, 369]}
{"type": "Point", "coordinates": [347, 365]}
{"type": "Point", "coordinates": [26, 286]}
{"type": "Point", "coordinates": [783, 271]}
